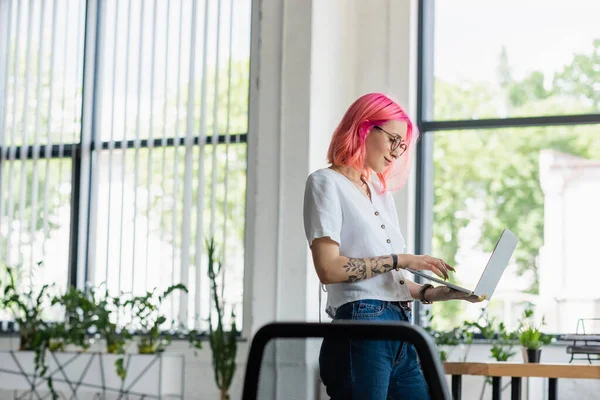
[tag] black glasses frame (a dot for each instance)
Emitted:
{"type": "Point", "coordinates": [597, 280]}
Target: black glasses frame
{"type": "Point", "coordinates": [397, 141]}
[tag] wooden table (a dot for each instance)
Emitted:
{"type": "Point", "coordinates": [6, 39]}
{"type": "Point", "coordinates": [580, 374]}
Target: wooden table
{"type": "Point", "coordinates": [517, 371]}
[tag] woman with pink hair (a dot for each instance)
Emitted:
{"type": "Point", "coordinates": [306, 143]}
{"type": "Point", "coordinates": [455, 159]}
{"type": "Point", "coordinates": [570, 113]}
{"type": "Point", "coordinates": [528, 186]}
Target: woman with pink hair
{"type": "Point", "coordinates": [358, 251]}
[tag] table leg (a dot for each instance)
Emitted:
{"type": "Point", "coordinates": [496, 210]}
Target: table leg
{"type": "Point", "coordinates": [456, 387]}
{"type": "Point", "coordinates": [496, 387]}
{"type": "Point", "coordinates": [552, 389]}
{"type": "Point", "coordinates": [515, 388]}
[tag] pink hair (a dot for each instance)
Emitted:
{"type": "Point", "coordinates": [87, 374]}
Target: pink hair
{"type": "Point", "coordinates": [347, 145]}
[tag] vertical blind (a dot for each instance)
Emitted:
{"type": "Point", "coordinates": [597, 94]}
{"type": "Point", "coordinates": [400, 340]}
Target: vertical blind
{"type": "Point", "coordinates": [128, 192]}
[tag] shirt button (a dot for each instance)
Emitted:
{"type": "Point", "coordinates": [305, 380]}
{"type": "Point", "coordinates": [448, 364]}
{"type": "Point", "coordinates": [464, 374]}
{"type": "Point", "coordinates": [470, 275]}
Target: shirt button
{"type": "Point", "coordinates": [401, 282]}
{"type": "Point", "coordinates": [382, 226]}
{"type": "Point", "coordinates": [376, 212]}
{"type": "Point", "coordinates": [389, 241]}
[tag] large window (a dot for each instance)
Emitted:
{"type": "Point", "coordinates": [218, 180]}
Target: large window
{"type": "Point", "coordinates": [510, 116]}
{"type": "Point", "coordinates": [123, 137]}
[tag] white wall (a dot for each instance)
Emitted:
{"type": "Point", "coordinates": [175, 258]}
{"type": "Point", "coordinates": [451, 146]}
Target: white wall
{"type": "Point", "coordinates": [314, 59]}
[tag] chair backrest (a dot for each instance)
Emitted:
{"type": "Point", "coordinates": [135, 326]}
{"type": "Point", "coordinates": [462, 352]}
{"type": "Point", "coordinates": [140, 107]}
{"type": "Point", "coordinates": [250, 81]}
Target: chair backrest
{"type": "Point", "coordinates": [271, 358]}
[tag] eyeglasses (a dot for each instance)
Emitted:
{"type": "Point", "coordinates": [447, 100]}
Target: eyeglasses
{"type": "Point", "coordinates": [397, 141]}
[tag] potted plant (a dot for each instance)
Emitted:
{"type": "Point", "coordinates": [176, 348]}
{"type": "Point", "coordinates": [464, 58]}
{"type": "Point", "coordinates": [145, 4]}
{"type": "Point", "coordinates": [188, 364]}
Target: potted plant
{"type": "Point", "coordinates": [79, 318]}
{"type": "Point", "coordinates": [148, 318]}
{"type": "Point", "coordinates": [106, 329]}
{"type": "Point", "coordinates": [222, 343]}
{"type": "Point", "coordinates": [502, 341]}
{"type": "Point", "coordinates": [531, 337]}
{"type": "Point", "coordinates": [26, 308]}
{"type": "Point", "coordinates": [88, 317]}
{"type": "Point", "coordinates": [104, 326]}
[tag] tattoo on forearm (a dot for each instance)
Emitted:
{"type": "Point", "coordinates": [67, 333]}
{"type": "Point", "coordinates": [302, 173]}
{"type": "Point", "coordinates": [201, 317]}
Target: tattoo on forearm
{"type": "Point", "coordinates": [357, 268]}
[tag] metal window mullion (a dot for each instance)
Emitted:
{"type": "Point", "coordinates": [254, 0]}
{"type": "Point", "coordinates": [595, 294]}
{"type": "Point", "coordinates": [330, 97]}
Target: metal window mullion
{"type": "Point", "coordinates": [176, 158]}
{"type": "Point", "coordinates": [13, 147]}
{"type": "Point", "coordinates": [424, 170]}
{"type": "Point", "coordinates": [201, 143]}
{"type": "Point", "coordinates": [150, 139]}
{"type": "Point", "coordinates": [79, 246]}
{"type": "Point", "coordinates": [137, 145]}
{"type": "Point", "coordinates": [227, 142]}
{"type": "Point", "coordinates": [513, 122]}
{"type": "Point", "coordinates": [36, 144]}
{"type": "Point", "coordinates": [80, 167]}
{"type": "Point", "coordinates": [111, 143]}
{"type": "Point", "coordinates": [124, 152]}
{"type": "Point", "coordinates": [187, 187]}
{"type": "Point", "coordinates": [4, 49]}
{"type": "Point", "coordinates": [82, 221]}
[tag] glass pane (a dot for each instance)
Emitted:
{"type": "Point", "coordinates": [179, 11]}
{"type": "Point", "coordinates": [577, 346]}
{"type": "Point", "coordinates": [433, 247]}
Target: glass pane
{"type": "Point", "coordinates": [515, 58]}
{"type": "Point", "coordinates": [44, 73]}
{"type": "Point", "coordinates": [35, 212]}
{"type": "Point", "coordinates": [146, 69]}
{"type": "Point", "coordinates": [138, 244]}
{"type": "Point", "coordinates": [543, 184]}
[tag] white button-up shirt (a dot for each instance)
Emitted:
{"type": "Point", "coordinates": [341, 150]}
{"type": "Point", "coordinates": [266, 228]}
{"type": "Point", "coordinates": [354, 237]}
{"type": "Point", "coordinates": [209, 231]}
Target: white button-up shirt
{"type": "Point", "coordinates": [334, 207]}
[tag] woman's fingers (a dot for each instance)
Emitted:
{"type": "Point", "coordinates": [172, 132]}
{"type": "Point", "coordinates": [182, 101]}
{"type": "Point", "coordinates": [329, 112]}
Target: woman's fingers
{"type": "Point", "coordinates": [448, 266]}
{"type": "Point", "coordinates": [439, 264]}
{"type": "Point", "coordinates": [443, 266]}
{"type": "Point", "coordinates": [435, 268]}
{"type": "Point", "coordinates": [435, 265]}
{"type": "Point", "coordinates": [444, 269]}
{"type": "Point", "coordinates": [473, 298]}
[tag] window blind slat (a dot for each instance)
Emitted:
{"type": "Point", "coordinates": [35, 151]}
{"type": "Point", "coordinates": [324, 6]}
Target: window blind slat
{"type": "Point", "coordinates": [92, 133]}
{"type": "Point", "coordinates": [13, 145]}
{"type": "Point", "coordinates": [48, 149]}
{"type": "Point", "coordinates": [25, 129]}
{"type": "Point", "coordinates": [137, 146]}
{"type": "Point", "coordinates": [150, 144]}
{"type": "Point", "coordinates": [187, 186]}
{"type": "Point", "coordinates": [6, 18]}
{"type": "Point", "coordinates": [201, 180]}
{"type": "Point", "coordinates": [36, 144]}
{"type": "Point", "coordinates": [174, 270]}
{"type": "Point", "coordinates": [111, 142]}
{"type": "Point", "coordinates": [215, 133]}
{"type": "Point", "coordinates": [227, 142]}
{"type": "Point", "coordinates": [164, 153]}
{"type": "Point", "coordinates": [124, 151]}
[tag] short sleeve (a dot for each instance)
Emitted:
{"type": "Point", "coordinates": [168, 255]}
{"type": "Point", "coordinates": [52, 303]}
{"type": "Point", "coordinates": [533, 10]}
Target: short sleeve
{"type": "Point", "coordinates": [322, 209]}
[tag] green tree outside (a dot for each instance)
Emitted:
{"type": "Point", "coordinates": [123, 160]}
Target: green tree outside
{"type": "Point", "coordinates": [499, 169]}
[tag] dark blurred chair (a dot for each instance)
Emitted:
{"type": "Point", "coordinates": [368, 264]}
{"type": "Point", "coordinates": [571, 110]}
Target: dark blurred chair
{"type": "Point", "coordinates": [283, 358]}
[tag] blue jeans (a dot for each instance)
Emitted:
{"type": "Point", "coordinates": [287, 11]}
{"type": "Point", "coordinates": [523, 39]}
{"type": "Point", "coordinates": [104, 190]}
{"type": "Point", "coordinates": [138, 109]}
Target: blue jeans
{"type": "Point", "coordinates": [372, 369]}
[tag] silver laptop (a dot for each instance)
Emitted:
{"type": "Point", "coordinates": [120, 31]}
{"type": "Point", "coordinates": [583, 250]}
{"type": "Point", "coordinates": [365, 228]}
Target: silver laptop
{"type": "Point", "coordinates": [492, 273]}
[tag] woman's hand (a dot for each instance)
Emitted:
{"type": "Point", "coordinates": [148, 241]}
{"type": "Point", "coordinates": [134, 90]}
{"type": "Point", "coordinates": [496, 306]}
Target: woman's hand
{"type": "Point", "coordinates": [444, 293]}
{"type": "Point", "coordinates": [425, 263]}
